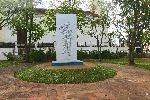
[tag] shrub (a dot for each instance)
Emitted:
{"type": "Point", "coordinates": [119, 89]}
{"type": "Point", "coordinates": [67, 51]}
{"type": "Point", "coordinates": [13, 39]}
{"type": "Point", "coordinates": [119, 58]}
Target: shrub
{"type": "Point", "coordinates": [122, 54]}
{"type": "Point", "coordinates": [37, 56]}
{"type": "Point", "coordinates": [82, 55]}
{"type": "Point", "coordinates": [106, 54]}
{"type": "Point", "coordinates": [10, 56]}
{"type": "Point", "coordinates": [51, 54]}
{"type": "Point", "coordinates": [94, 54]}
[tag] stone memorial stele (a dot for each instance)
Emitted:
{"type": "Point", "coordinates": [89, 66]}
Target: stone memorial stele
{"type": "Point", "coordinates": [66, 40]}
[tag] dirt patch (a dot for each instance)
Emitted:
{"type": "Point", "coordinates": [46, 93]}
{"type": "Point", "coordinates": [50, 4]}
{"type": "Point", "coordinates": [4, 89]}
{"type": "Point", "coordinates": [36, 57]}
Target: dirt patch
{"type": "Point", "coordinates": [130, 83]}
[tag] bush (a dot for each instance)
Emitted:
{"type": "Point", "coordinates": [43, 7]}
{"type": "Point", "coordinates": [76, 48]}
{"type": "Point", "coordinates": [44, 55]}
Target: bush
{"type": "Point", "coordinates": [106, 54]}
{"type": "Point", "coordinates": [82, 55]}
{"type": "Point", "coordinates": [51, 55]}
{"type": "Point", "coordinates": [122, 54]}
{"type": "Point", "coordinates": [10, 56]}
{"type": "Point", "coordinates": [63, 76]}
{"type": "Point", "coordinates": [37, 56]}
{"type": "Point", "coordinates": [94, 54]}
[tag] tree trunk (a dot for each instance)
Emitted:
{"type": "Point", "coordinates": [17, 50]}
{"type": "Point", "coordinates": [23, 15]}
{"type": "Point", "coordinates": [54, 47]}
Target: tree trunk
{"type": "Point", "coordinates": [101, 41]}
{"type": "Point", "coordinates": [98, 47]}
{"type": "Point", "coordinates": [131, 48]}
{"type": "Point", "coordinates": [30, 32]}
{"type": "Point", "coordinates": [101, 46]}
{"type": "Point", "coordinates": [26, 37]}
{"type": "Point", "coordinates": [131, 55]}
{"type": "Point", "coordinates": [30, 37]}
{"type": "Point", "coordinates": [26, 46]}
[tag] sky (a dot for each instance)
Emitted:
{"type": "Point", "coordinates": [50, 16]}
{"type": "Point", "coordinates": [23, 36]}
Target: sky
{"type": "Point", "coordinates": [46, 4]}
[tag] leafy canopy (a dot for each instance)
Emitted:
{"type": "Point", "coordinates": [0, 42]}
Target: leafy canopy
{"type": "Point", "coordinates": [26, 19]}
{"type": "Point", "coordinates": [65, 8]}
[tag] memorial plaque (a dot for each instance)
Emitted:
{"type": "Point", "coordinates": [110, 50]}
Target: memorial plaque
{"type": "Point", "coordinates": [66, 40]}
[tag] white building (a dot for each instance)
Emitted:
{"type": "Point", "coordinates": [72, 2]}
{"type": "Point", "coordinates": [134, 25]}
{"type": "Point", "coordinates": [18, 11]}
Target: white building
{"type": "Point", "coordinates": [83, 39]}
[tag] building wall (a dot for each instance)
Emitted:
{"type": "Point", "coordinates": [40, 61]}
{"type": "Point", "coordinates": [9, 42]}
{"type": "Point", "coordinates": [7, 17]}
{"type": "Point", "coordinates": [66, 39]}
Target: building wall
{"type": "Point", "coordinates": [7, 36]}
{"type": "Point", "coordinates": [2, 35]}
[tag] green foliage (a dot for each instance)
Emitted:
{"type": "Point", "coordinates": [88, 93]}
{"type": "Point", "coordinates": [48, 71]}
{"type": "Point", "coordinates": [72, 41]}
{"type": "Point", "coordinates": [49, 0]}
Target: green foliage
{"type": "Point", "coordinates": [7, 10]}
{"type": "Point", "coordinates": [132, 22]}
{"type": "Point", "coordinates": [102, 19]}
{"type": "Point", "coordinates": [139, 62]}
{"type": "Point", "coordinates": [37, 56]}
{"type": "Point", "coordinates": [143, 65]}
{"type": "Point", "coordinates": [25, 19]}
{"type": "Point", "coordinates": [10, 56]}
{"type": "Point", "coordinates": [6, 63]}
{"type": "Point", "coordinates": [93, 54]}
{"type": "Point", "coordinates": [82, 55]}
{"type": "Point", "coordinates": [65, 8]}
{"type": "Point", "coordinates": [122, 54]}
{"type": "Point", "coordinates": [146, 38]}
{"type": "Point", "coordinates": [51, 54]}
{"type": "Point", "coordinates": [106, 54]}
{"type": "Point", "coordinates": [65, 76]}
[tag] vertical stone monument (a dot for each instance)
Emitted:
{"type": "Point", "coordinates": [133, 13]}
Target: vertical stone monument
{"type": "Point", "coordinates": [66, 40]}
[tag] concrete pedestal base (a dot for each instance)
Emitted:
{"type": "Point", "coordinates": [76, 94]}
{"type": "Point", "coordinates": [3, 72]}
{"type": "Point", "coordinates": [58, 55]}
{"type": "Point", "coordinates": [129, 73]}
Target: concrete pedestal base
{"type": "Point", "coordinates": [58, 63]}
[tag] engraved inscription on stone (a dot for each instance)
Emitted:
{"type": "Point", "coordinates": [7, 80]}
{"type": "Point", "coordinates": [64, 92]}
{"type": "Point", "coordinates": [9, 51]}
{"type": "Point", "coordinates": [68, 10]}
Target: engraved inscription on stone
{"type": "Point", "coordinates": [67, 37]}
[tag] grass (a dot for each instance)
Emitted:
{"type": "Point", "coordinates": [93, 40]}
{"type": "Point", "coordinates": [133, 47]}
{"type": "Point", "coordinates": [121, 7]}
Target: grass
{"type": "Point", "coordinates": [143, 65]}
{"type": "Point", "coordinates": [6, 63]}
{"type": "Point", "coordinates": [65, 76]}
{"type": "Point", "coordinates": [139, 62]}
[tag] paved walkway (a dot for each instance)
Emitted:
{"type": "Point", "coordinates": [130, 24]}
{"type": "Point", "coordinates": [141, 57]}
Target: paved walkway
{"type": "Point", "coordinates": [129, 84]}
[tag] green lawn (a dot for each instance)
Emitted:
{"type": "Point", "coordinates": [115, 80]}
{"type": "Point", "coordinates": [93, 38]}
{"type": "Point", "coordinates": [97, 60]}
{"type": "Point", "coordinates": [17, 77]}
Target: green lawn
{"type": "Point", "coordinates": [6, 63]}
{"type": "Point", "coordinates": [139, 62]}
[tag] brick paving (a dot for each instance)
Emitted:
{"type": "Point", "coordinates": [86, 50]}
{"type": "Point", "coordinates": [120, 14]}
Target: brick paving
{"type": "Point", "coordinates": [129, 84]}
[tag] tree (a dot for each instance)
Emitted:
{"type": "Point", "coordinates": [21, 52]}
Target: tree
{"type": "Point", "coordinates": [7, 10]}
{"type": "Point", "coordinates": [102, 21]}
{"type": "Point", "coordinates": [135, 18]}
{"type": "Point", "coordinates": [65, 7]}
{"type": "Point", "coordinates": [146, 38]}
{"type": "Point", "coordinates": [25, 20]}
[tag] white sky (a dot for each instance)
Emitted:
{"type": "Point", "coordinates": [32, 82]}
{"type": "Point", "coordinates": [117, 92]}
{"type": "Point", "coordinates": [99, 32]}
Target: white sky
{"type": "Point", "coordinates": [46, 4]}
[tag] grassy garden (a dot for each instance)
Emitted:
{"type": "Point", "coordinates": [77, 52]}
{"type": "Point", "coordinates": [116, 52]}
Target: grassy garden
{"type": "Point", "coordinates": [139, 62]}
{"type": "Point", "coordinates": [63, 76]}
{"type": "Point", "coordinates": [38, 74]}
{"type": "Point", "coordinates": [6, 63]}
